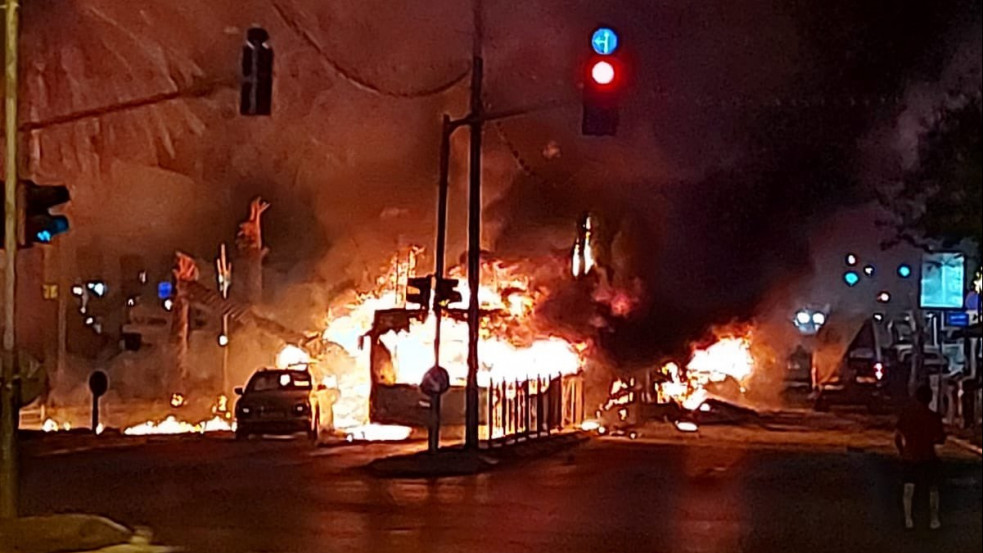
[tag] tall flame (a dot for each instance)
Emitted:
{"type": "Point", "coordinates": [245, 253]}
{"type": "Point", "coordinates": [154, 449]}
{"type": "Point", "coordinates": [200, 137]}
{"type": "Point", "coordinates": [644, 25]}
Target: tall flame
{"type": "Point", "coordinates": [508, 348]}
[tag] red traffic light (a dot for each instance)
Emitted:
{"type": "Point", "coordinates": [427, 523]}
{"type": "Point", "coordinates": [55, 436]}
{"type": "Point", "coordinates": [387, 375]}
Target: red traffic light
{"type": "Point", "coordinates": [602, 72]}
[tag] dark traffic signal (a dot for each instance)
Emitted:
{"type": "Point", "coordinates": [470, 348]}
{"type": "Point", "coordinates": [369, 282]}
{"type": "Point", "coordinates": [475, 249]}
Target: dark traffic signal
{"type": "Point", "coordinates": [40, 225]}
{"type": "Point", "coordinates": [257, 74]}
{"type": "Point", "coordinates": [418, 291]}
{"type": "Point", "coordinates": [446, 291]}
{"type": "Point", "coordinates": [603, 83]}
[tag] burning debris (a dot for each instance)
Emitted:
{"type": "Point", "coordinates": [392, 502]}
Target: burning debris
{"type": "Point", "coordinates": [708, 388]}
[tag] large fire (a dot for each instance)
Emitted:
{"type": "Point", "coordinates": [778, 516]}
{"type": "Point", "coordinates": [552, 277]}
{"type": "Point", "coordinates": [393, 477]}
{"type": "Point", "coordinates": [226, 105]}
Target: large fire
{"type": "Point", "coordinates": [510, 348]}
{"type": "Point", "coordinates": [726, 361]}
{"type": "Point", "coordinates": [722, 369]}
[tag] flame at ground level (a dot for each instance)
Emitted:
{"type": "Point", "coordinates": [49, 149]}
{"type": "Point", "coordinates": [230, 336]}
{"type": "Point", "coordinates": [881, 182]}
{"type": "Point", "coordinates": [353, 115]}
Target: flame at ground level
{"type": "Point", "coordinates": [377, 433]}
{"type": "Point", "coordinates": [172, 425]}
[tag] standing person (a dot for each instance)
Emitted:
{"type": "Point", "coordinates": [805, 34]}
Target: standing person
{"type": "Point", "coordinates": [919, 430]}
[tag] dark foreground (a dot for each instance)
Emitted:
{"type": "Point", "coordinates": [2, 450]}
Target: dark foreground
{"type": "Point", "coordinates": [704, 495]}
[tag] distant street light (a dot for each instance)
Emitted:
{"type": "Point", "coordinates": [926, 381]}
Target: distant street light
{"type": "Point", "coordinates": [884, 297]}
{"type": "Point", "coordinates": [851, 259]}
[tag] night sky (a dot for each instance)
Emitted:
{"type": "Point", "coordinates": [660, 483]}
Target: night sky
{"type": "Point", "coordinates": [745, 125]}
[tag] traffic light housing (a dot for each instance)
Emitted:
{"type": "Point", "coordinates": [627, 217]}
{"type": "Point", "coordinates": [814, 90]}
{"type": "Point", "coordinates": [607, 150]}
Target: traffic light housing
{"type": "Point", "coordinates": [603, 84]}
{"type": "Point", "coordinates": [40, 225]}
{"type": "Point", "coordinates": [257, 74]}
{"type": "Point", "coordinates": [418, 291]}
{"type": "Point", "coordinates": [446, 291]}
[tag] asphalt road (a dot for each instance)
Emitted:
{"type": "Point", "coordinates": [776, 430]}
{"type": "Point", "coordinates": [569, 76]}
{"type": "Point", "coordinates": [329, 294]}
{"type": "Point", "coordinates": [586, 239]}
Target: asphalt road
{"type": "Point", "coordinates": [215, 495]}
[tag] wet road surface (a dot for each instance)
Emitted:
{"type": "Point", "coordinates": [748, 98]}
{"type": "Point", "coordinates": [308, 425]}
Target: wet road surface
{"type": "Point", "coordinates": [611, 495]}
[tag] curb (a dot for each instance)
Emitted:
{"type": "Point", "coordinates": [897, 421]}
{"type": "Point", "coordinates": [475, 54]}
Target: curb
{"type": "Point", "coordinates": [967, 445]}
{"type": "Point", "coordinates": [457, 462]}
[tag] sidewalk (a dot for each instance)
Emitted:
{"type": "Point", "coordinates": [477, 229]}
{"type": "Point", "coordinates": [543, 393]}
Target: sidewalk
{"type": "Point", "coordinates": [67, 533]}
{"type": "Point", "coordinates": [968, 439]}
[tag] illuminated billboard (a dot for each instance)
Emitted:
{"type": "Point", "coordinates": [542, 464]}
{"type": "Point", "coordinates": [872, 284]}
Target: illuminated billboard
{"type": "Point", "coordinates": [943, 280]}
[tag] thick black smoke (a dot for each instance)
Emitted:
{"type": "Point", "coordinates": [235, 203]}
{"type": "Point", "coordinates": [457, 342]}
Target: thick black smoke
{"type": "Point", "coordinates": [740, 130]}
{"type": "Point", "coordinates": [743, 134]}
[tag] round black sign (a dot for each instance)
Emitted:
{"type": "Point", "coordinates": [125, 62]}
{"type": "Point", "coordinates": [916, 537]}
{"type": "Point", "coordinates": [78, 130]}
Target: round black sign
{"type": "Point", "coordinates": [435, 382]}
{"type": "Point", "coordinates": [98, 383]}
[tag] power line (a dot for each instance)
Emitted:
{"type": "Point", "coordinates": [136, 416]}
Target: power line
{"type": "Point", "coordinates": [355, 80]}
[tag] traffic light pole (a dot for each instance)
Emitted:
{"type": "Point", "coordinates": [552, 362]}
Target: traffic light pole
{"type": "Point", "coordinates": [474, 234]}
{"type": "Point", "coordinates": [9, 384]}
{"type": "Point", "coordinates": [446, 129]}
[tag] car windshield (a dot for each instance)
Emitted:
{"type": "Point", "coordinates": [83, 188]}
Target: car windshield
{"type": "Point", "coordinates": [279, 380]}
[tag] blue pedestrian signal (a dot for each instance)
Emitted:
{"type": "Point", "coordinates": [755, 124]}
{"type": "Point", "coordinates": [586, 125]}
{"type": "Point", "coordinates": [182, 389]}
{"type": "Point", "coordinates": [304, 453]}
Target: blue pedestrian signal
{"type": "Point", "coordinates": [904, 270]}
{"type": "Point", "coordinates": [604, 41]}
{"type": "Point", "coordinates": [851, 278]}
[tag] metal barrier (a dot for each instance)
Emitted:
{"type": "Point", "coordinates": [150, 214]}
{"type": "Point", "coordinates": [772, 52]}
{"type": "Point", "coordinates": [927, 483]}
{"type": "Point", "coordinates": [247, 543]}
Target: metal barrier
{"type": "Point", "coordinates": [523, 409]}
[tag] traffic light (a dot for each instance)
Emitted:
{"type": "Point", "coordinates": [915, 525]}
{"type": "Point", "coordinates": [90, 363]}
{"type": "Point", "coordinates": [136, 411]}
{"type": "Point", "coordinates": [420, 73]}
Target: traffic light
{"type": "Point", "coordinates": [40, 226]}
{"type": "Point", "coordinates": [257, 74]}
{"type": "Point", "coordinates": [603, 84]}
{"type": "Point", "coordinates": [418, 291]}
{"type": "Point", "coordinates": [446, 291]}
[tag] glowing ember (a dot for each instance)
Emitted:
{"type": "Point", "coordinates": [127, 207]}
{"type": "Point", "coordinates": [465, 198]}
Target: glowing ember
{"type": "Point", "coordinates": [51, 425]}
{"type": "Point", "coordinates": [687, 426]}
{"type": "Point", "coordinates": [377, 433]}
{"type": "Point", "coordinates": [590, 425]}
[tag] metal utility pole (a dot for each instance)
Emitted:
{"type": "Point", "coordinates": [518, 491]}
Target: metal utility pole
{"type": "Point", "coordinates": [9, 385]}
{"type": "Point", "coordinates": [446, 128]}
{"type": "Point", "coordinates": [474, 234]}
{"type": "Point", "coordinates": [224, 274]}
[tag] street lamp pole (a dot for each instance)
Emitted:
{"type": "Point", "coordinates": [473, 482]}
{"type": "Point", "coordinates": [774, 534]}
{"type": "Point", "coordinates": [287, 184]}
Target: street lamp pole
{"type": "Point", "coordinates": [9, 384]}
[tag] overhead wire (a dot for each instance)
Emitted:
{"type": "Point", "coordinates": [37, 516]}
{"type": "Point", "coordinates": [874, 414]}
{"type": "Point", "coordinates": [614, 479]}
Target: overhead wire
{"type": "Point", "coordinates": [294, 25]}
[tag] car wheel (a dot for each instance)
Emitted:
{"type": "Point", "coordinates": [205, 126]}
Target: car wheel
{"type": "Point", "coordinates": [821, 405]}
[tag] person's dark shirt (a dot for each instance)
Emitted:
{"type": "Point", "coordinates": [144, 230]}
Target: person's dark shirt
{"type": "Point", "coordinates": [921, 430]}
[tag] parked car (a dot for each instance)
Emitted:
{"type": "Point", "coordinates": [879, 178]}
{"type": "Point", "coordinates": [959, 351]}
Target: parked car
{"type": "Point", "coordinates": [278, 401]}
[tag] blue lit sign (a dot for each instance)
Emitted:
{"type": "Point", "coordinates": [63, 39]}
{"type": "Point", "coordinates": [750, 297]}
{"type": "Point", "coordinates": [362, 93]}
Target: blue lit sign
{"type": "Point", "coordinates": [851, 278]}
{"type": "Point", "coordinates": [164, 289]}
{"type": "Point", "coordinates": [44, 236]}
{"type": "Point", "coordinates": [956, 318]}
{"type": "Point", "coordinates": [604, 41]}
